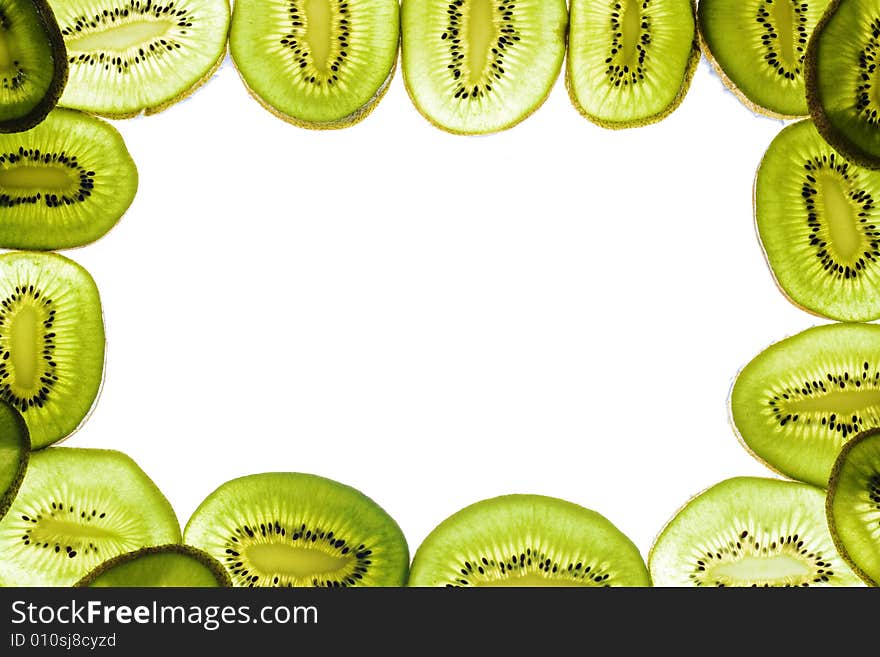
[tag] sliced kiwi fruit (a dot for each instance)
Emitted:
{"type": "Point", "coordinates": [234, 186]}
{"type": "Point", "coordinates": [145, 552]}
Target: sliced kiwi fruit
{"type": "Point", "coordinates": [759, 48]}
{"type": "Point", "coordinates": [853, 505]}
{"type": "Point", "coordinates": [527, 540]}
{"type": "Point", "coordinates": [750, 531]}
{"type": "Point", "coordinates": [316, 63]}
{"type": "Point", "coordinates": [481, 66]}
{"type": "Point", "coordinates": [842, 79]}
{"type": "Point", "coordinates": [33, 63]}
{"type": "Point", "coordinates": [15, 449]}
{"type": "Point", "coordinates": [128, 57]}
{"type": "Point", "coordinates": [159, 566]}
{"type": "Point", "coordinates": [800, 400]}
{"type": "Point", "coordinates": [297, 529]}
{"type": "Point", "coordinates": [630, 62]}
{"type": "Point", "coordinates": [819, 225]}
{"type": "Point", "coordinates": [51, 342]}
{"type": "Point", "coordinates": [64, 183]}
{"type": "Point", "coordinates": [77, 508]}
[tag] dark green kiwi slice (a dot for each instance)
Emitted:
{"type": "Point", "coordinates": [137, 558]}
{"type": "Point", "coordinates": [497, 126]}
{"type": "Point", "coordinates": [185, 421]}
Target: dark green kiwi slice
{"type": "Point", "coordinates": [853, 505]}
{"type": "Point", "coordinates": [33, 63]}
{"type": "Point", "coordinates": [797, 402]}
{"type": "Point", "coordinates": [480, 66]}
{"type": "Point", "coordinates": [527, 540]}
{"type": "Point", "coordinates": [15, 449]}
{"type": "Point", "coordinates": [630, 62]}
{"type": "Point", "coordinates": [77, 508]}
{"type": "Point", "coordinates": [819, 225]}
{"type": "Point", "coordinates": [843, 78]}
{"type": "Point", "coordinates": [64, 183]}
{"type": "Point", "coordinates": [750, 531]}
{"type": "Point", "coordinates": [295, 529]}
{"type": "Point", "coordinates": [128, 57]}
{"type": "Point", "coordinates": [51, 342]}
{"type": "Point", "coordinates": [159, 566]}
{"type": "Point", "coordinates": [316, 63]}
{"type": "Point", "coordinates": [759, 49]}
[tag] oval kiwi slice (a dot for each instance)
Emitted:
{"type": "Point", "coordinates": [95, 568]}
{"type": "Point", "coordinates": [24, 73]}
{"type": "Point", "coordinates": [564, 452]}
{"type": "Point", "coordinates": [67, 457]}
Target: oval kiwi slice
{"type": "Point", "coordinates": [159, 566]}
{"type": "Point", "coordinates": [316, 63]}
{"type": "Point", "coordinates": [295, 529]}
{"type": "Point", "coordinates": [853, 505]}
{"type": "Point", "coordinates": [480, 66]}
{"type": "Point", "coordinates": [750, 531]}
{"type": "Point", "coordinates": [76, 509]}
{"type": "Point", "coordinates": [64, 183]}
{"type": "Point", "coordinates": [527, 540]}
{"type": "Point", "coordinates": [15, 449]}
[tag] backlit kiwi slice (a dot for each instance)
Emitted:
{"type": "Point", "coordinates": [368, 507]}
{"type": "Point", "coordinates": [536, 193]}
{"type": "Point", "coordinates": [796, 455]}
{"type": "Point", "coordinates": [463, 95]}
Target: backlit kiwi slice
{"type": "Point", "coordinates": [750, 531]}
{"type": "Point", "coordinates": [527, 540]}
{"type": "Point", "coordinates": [294, 529]}
{"type": "Point", "coordinates": [159, 566]}
{"type": "Point", "coordinates": [15, 448]}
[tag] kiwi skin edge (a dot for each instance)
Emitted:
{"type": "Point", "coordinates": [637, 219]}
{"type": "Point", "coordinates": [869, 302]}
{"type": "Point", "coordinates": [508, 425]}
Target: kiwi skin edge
{"type": "Point", "coordinates": [218, 571]}
{"type": "Point", "coordinates": [8, 497]}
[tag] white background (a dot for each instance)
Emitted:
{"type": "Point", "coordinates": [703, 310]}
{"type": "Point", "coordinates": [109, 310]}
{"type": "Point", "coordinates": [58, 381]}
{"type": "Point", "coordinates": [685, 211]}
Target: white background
{"type": "Point", "coordinates": [434, 319]}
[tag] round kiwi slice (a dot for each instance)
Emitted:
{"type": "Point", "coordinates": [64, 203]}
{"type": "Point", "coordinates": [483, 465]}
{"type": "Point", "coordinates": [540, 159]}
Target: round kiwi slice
{"type": "Point", "coordinates": [853, 505]}
{"type": "Point", "coordinates": [128, 57]}
{"type": "Point", "coordinates": [527, 540]}
{"type": "Point", "coordinates": [759, 48]}
{"type": "Point", "coordinates": [750, 531]}
{"type": "Point", "coordinates": [295, 529]}
{"type": "Point", "coordinates": [15, 449]}
{"type": "Point", "coordinates": [64, 183]}
{"type": "Point", "coordinates": [159, 566]}
{"type": "Point", "coordinates": [480, 66]}
{"type": "Point", "coordinates": [316, 63]}
{"type": "Point", "coordinates": [630, 62]}
{"type": "Point", "coordinates": [797, 402]}
{"type": "Point", "coordinates": [51, 342]}
{"type": "Point", "coordinates": [77, 508]}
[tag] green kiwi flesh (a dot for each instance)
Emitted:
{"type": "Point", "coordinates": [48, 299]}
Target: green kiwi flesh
{"type": "Point", "coordinates": [51, 342]}
{"type": "Point", "coordinates": [853, 505]}
{"type": "Point", "coordinates": [77, 508]}
{"type": "Point", "coordinates": [296, 529]}
{"type": "Point", "coordinates": [64, 183]}
{"type": "Point", "coordinates": [524, 541]}
{"type": "Point", "coordinates": [159, 566]}
{"type": "Point", "coordinates": [480, 66]}
{"type": "Point", "coordinates": [759, 47]}
{"type": "Point", "coordinates": [316, 63]}
{"type": "Point", "coordinates": [819, 225]}
{"type": "Point", "coordinates": [630, 62]}
{"type": "Point", "coordinates": [15, 449]}
{"type": "Point", "coordinates": [33, 63]}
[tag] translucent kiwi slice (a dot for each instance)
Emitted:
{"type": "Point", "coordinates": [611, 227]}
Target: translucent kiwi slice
{"type": "Point", "coordinates": [51, 342]}
{"type": "Point", "coordinates": [750, 531]}
{"type": "Point", "coordinates": [797, 402]}
{"type": "Point", "coordinates": [316, 63]}
{"type": "Point", "coordinates": [527, 540]}
{"type": "Point", "coordinates": [15, 449]}
{"type": "Point", "coordinates": [159, 566]}
{"type": "Point", "coordinates": [76, 509]}
{"type": "Point", "coordinates": [295, 529]}
{"type": "Point", "coordinates": [64, 183]}
{"type": "Point", "coordinates": [853, 505]}
{"type": "Point", "coordinates": [480, 66]}
{"type": "Point", "coordinates": [630, 62]}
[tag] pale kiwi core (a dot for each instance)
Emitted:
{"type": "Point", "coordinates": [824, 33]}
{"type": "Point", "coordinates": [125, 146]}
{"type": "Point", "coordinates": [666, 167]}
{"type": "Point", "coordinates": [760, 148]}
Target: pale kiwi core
{"type": "Point", "coordinates": [292, 561]}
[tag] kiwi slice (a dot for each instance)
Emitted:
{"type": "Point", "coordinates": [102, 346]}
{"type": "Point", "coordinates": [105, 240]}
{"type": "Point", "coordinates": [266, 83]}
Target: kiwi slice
{"type": "Point", "coordinates": [797, 402]}
{"type": "Point", "coordinates": [15, 449]}
{"type": "Point", "coordinates": [76, 509]}
{"type": "Point", "coordinates": [316, 63]}
{"type": "Point", "coordinates": [51, 342]}
{"type": "Point", "coordinates": [527, 540]}
{"type": "Point", "coordinates": [842, 79]}
{"type": "Point", "coordinates": [128, 57]}
{"type": "Point", "coordinates": [750, 531]}
{"type": "Point", "coordinates": [159, 566]}
{"type": "Point", "coordinates": [296, 529]}
{"type": "Point", "coordinates": [64, 183]}
{"type": "Point", "coordinates": [480, 66]}
{"type": "Point", "coordinates": [33, 63]}
{"type": "Point", "coordinates": [630, 62]}
{"type": "Point", "coordinates": [759, 49]}
{"type": "Point", "coordinates": [853, 505]}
